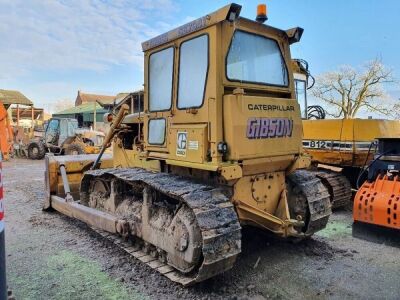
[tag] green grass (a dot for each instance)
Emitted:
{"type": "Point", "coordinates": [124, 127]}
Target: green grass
{"type": "Point", "coordinates": [66, 275]}
{"type": "Point", "coordinates": [335, 228]}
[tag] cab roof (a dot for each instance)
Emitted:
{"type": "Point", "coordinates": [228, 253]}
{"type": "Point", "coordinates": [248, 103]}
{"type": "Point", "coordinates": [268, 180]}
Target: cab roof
{"type": "Point", "coordinates": [230, 13]}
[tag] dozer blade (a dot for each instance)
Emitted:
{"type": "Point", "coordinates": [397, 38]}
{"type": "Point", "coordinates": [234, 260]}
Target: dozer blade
{"type": "Point", "coordinates": [378, 202]}
{"type": "Point", "coordinates": [73, 167]}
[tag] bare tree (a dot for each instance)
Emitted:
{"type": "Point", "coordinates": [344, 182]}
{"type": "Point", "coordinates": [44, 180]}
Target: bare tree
{"type": "Point", "coordinates": [396, 111]}
{"type": "Point", "coordinates": [61, 105]}
{"type": "Point", "coordinates": [348, 90]}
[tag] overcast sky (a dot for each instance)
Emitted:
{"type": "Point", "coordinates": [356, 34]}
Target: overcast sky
{"type": "Point", "coordinates": [51, 49]}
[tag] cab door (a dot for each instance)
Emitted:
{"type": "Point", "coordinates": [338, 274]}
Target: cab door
{"type": "Point", "coordinates": [52, 132]}
{"type": "Point", "coordinates": [177, 98]}
{"type": "Point", "coordinates": [188, 132]}
{"type": "Point", "coordinates": [159, 80]}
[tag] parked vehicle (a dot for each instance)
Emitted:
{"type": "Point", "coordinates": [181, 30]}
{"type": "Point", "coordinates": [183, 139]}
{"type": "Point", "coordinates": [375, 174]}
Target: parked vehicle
{"type": "Point", "coordinates": [63, 137]}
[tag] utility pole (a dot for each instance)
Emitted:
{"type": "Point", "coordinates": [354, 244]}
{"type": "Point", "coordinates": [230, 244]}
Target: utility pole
{"type": "Point", "coordinates": [94, 115]}
{"type": "Point", "coordinates": [17, 115]}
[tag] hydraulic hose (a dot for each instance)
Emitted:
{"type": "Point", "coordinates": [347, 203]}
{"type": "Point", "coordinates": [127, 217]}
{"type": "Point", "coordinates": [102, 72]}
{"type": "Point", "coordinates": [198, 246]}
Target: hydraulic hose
{"type": "Point", "coordinates": [370, 164]}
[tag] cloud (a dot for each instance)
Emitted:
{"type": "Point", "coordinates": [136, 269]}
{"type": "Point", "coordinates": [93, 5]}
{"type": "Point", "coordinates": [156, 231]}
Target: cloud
{"type": "Point", "coordinates": [65, 35]}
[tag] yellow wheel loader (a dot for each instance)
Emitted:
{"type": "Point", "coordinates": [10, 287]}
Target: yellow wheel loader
{"type": "Point", "coordinates": [340, 148]}
{"type": "Point", "coordinates": [63, 137]}
{"type": "Point", "coordinates": [218, 146]}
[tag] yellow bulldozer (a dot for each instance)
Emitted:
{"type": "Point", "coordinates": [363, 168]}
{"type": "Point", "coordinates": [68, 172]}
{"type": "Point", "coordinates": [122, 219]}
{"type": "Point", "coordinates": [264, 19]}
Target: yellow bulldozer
{"type": "Point", "coordinates": [340, 148]}
{"type": "Point", "coordinates": [217, 146]}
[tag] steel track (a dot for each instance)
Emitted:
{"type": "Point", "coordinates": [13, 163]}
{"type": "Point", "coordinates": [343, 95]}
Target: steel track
{"type": "Point", "coordinates": [318, 199]}
{"type": "Point", "coordinates": [215, 215]}
{"type": "Point", "coordinates": [338, 185]}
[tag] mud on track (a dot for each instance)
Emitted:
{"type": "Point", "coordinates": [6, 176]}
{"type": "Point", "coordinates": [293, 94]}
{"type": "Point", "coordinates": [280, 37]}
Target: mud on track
{"type": "Point", "coordinates": [52, 257]}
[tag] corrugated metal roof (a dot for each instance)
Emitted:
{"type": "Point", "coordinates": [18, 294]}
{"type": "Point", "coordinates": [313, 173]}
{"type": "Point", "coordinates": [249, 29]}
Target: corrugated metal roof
{"type": "Point", "coordinates": [14, 97]}
{"type": "Point", "coordinates": [124, 96]}
{"type": "Point", "coordinates": [120, 97]}
{"type": "Point", "coordinates": [83, 108]}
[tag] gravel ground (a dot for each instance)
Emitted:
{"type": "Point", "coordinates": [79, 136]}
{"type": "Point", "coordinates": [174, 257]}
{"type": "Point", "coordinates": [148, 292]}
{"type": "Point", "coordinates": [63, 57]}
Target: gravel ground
{"type": "Point", "coordinates": [50, 256]}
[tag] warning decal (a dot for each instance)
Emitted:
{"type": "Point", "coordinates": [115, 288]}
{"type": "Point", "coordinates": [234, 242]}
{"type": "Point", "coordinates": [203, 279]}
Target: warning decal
{"type": "Point", "coordinates": [193, 145]}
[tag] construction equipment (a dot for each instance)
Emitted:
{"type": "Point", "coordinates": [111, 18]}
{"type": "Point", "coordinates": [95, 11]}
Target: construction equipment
{"type": "Point", "coordinates": [218, 146]}
{"type": "Point", "coordinates": [6, 133]}
{"type": "Point", "coordinates": [340, 148]}
{"type": "Point", "coordinates": [62, 136]}
{"type": "Point", "coordinates": [378, 199]}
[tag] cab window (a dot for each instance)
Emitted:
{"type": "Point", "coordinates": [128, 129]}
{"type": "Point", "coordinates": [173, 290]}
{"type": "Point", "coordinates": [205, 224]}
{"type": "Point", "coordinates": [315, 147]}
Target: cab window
{"type": "Point", "coordinates": [301, 96]}
{"type": "Point", "coordinates": [255, 59]}
{"type": "Point", "coordinates": [72, 127]}
{"type": "Point", "coordinates": [52, 131]}
{"type": "Point", "coordinates": [53, 125]}
{"type": "Point", "coordinates": [160, 79]}
{"type": "Point", "coordinates": [156, 131]}
{"type": "Point", "coordinates": [193, 67]}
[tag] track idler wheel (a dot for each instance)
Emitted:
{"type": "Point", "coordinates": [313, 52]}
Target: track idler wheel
{"type": "Point", "coordinates": [309, 201]}
{"type": "Point", "coordinates": [298, 207]}
{"type": "Point", "coordinates": [172, 229]}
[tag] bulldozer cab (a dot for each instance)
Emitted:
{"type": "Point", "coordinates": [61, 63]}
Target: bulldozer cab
{"type": "Point", "coordinates": [59, 130]}
{"type": "Point", "coordinates": [221, 89]}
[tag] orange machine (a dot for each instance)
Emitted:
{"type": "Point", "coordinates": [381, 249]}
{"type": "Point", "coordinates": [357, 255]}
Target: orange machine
{"type": "Point", "coordinates": [378, 200]}
{"type": "Point", "coordinates": [6, 133]}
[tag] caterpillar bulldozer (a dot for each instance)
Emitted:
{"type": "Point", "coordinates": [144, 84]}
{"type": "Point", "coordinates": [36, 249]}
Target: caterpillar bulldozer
{"type": "Point", "coordinates": [340, 148]}
{"type": "Point", "coordinates": [62, 136]}
{"type": "Point", "coordinates": [218, 146]}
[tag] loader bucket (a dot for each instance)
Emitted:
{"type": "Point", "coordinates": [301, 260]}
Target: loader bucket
{"type": "Point", "coordinates": [378, 202]}
{"type": "Point", "coordinates": [74, 167]}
